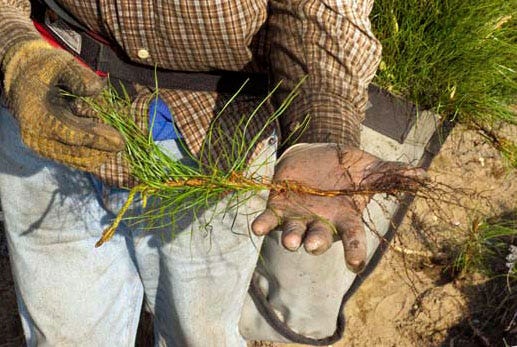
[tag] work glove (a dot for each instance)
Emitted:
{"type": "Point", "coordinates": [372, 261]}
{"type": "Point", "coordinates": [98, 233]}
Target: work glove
{"type": "Point", "coordinates": [151, 114]}
{"type": "Point", "coordinates": [315, 220]}
{"type": "Point", "coordinates": [35, 75]}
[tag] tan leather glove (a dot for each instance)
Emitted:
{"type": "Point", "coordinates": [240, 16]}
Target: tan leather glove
{"type": "Point", "coordinates": [316, 220]}
{"type": "Point", "coordinates": [34, 74]}
{"type": "Point", "coordinates": [116, 171]}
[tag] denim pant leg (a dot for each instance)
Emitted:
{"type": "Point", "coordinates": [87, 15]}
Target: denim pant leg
{"type": "Point", "coordinates": [196, 274]}
{"type": "Point", "coordinates": [69, 293]}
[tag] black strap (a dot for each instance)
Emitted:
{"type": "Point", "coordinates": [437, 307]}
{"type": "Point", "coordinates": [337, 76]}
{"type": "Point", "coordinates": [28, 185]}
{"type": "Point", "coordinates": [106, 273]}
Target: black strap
{"type": "Point", "coordinates": [102, 57]}
{"type": "Point", "coordinates": [63, 14]}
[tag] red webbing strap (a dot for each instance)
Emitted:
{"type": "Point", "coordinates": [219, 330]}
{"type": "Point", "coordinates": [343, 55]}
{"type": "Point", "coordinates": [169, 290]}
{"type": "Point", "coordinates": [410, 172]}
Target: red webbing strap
{"type": "Point", "coordinates": [47, 36]}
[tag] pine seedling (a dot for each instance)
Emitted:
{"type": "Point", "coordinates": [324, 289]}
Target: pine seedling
{"type": "Point", "coordinates": [179, 186]}
{"type": "Point", "coordinates": [174, 188]}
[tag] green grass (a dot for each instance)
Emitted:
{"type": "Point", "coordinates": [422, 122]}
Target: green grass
{"type": "Point", "coordinates": [486, 249]}
{"type": "Point", "coordinates": [489, 250]}
{"type": "Point", "coordinates": [459, 59]}
{"type": "Point", "coordinates": [456, 57]}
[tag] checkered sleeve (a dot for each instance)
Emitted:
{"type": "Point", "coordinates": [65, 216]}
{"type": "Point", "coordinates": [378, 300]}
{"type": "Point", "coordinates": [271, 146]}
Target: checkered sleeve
{"type": "Point", "coordinates": [331, 43]}
{"type": "Point", "coordinates": [15, 25]}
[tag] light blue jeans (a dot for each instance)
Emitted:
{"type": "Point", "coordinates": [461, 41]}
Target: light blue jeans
{"type": "Point", "coordinates": [72, 294]}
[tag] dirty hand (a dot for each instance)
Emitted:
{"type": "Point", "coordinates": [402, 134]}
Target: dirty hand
{"type": "Point", "coordinates": [35, 73]}
{"type": "Point", "coordinates": [314, 220]}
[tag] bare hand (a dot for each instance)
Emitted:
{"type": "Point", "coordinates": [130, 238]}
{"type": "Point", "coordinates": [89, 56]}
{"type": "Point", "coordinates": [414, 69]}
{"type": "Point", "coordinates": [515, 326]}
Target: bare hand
{"type": "Point", "coordinates": [315, 219]}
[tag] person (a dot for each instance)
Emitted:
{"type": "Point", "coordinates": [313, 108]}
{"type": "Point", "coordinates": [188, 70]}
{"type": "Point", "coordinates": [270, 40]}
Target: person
{"type": "Point", "coordinates": [60, 168]}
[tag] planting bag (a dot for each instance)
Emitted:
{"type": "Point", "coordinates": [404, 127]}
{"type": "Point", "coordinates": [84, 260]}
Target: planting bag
{"type": "Point", "coordinates": [298, 297]}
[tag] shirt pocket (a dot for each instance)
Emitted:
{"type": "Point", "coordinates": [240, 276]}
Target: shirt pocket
{"type": "Point", "coordinates": [206, 35]}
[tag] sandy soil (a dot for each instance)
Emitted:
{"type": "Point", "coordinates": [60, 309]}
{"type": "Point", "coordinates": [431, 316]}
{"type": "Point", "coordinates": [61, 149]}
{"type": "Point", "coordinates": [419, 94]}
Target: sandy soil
{"type": "Point", "coordinates": [410, 299]}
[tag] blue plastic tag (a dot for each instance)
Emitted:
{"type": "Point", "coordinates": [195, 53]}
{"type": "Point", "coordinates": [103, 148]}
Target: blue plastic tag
{"type": "Point", "coordinates": [161, 122]}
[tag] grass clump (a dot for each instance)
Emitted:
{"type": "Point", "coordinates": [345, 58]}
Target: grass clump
{"type": "Point", "coordinates": [457, 58]}
{"type": "Point", "coordinates": [487, 249]}
{"type": "Point", "coordinates": [491, 251]}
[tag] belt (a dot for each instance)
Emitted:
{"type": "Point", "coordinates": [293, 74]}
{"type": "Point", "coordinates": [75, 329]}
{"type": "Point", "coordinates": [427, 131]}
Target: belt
{"type": "Point", "coordinates": [105, 60]}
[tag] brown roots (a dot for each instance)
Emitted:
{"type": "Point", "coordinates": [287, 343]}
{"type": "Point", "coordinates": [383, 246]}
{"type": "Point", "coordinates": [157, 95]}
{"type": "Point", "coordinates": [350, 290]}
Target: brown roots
{"type": "Point", "coordinates": [236, 182]}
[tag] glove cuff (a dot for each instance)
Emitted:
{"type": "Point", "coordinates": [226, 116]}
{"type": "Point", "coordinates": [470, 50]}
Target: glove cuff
{"type": "Point", "coordinates": [15, 57]}
{"type": "Point", "coordinates": [15, 25]}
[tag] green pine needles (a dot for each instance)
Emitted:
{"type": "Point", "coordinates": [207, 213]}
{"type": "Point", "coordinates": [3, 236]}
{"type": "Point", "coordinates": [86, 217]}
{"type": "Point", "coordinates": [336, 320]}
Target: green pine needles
{"type": "Point", "coordinates": [168, 188]}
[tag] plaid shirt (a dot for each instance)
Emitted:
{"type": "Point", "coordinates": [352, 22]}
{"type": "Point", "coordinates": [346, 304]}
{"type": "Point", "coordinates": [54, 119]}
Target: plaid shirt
{"type": "Point", "coordinates": [330, 41]}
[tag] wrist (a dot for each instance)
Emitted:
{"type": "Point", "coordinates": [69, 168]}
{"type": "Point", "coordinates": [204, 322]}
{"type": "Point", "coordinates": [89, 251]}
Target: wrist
{"type": "Point", "coordinates": [299, 148]}
{"type": "Point", "coordinates": [332, 119]}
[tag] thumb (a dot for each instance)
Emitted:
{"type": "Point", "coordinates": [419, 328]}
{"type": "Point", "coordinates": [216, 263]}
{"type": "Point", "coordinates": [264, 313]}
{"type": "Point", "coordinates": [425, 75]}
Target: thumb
{"type": "Point", "coordinates": [79, 79]}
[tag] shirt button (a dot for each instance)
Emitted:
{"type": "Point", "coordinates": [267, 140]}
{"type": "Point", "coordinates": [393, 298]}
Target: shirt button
{"type": "Point", "coordinates": [143, 53]}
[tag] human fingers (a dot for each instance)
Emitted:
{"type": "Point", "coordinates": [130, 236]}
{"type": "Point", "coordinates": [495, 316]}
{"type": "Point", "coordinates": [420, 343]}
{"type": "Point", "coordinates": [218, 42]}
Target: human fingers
{"type": "Point", "coordinates": [319, 237]}
{"type": "Point", "coordinates": [265, 222]}
{"type": "Point", "coordinates": [292, 233]}
{"type": "Point", "coordinates": [353, 236]}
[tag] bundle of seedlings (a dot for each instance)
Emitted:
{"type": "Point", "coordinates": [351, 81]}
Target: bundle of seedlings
{"type": "Point", "coordinates": [169, 188]}
{"type": "Point", "coordinates": [456, 58]}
